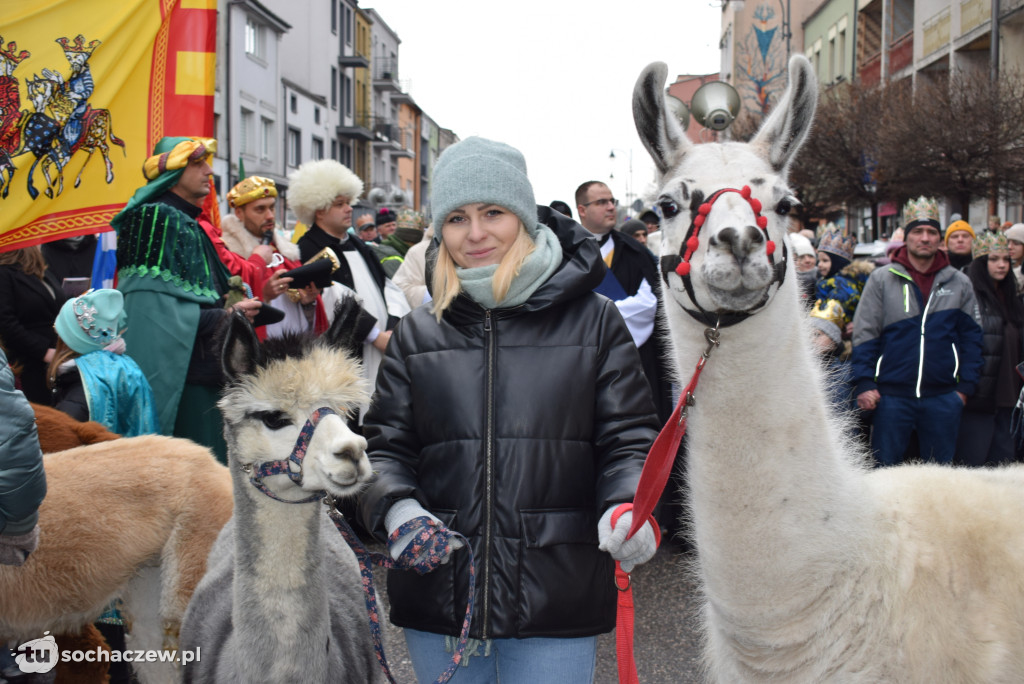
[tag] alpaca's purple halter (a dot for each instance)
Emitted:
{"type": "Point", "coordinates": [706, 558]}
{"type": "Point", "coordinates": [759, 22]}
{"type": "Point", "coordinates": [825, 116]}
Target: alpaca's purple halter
{"type": "Point", "coordinates": [285, 466]}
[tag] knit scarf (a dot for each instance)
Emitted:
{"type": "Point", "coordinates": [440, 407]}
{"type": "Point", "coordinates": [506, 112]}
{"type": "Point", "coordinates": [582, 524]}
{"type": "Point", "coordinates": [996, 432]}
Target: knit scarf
{"type": "Point", "coordinates": [478, 283]}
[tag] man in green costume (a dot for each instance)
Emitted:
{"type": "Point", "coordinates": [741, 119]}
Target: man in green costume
{"type": "Point", "coordinates": [174, 287]}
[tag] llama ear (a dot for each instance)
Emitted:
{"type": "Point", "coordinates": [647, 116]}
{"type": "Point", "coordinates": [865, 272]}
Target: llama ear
{"type": "Point", "coordinates": [349, 320]}
{"type": "Point", "coordinates": [240, 350]}
{"type": "Point", "coordinates": [786, 129]}
{"type": "Point", "coordinates": [660, 133]}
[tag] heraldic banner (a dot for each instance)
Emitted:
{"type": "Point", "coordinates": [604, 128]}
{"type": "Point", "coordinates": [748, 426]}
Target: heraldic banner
{"type": "Point", "coordinates": [87, 88]}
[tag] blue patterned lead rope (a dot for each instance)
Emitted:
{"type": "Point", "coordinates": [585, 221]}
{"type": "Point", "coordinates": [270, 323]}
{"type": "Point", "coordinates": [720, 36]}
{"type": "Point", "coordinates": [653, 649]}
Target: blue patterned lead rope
{"type": "Point", "coordinates": [434, 543]}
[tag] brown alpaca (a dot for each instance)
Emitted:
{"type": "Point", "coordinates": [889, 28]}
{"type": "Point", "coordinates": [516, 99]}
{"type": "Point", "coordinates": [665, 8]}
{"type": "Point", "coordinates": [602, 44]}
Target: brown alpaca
{"type": "Point", "coordinates": [133, 518]}
{"type": "Point", "coordinates": [59, 431]}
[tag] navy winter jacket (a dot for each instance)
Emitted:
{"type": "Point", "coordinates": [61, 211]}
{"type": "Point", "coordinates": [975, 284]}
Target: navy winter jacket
{"type": "Point", "coordinates": [905, 346]}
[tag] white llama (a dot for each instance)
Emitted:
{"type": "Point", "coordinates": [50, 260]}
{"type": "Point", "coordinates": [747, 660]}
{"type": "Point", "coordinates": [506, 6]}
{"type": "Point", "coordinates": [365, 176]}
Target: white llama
{"type": "Point", "coordinates": [131, 518]}
{"type": "Point", "coordinates": [813, 567]}
{"type": "Point", "coordinates": [282, 599]}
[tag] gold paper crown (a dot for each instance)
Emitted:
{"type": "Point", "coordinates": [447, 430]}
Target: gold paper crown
{"type": "Point", "coordinates": [829, 310]}
{"type": "Point", "coordinates": [921, 210]}
{"type": "Point", "coordinates": [11, 54]}
{"type": "Point", "coordinates": [836, 243]}
{"type": "Point", "coordinates": [989, 242]}
{"type": "Point", "coordinates": [79, 45]}
{"type": "Point", "coordinates": [250, 189]}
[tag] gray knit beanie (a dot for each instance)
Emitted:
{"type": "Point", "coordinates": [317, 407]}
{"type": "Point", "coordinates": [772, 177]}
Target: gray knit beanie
{"type": "Point", "coordinates": [479, 170]}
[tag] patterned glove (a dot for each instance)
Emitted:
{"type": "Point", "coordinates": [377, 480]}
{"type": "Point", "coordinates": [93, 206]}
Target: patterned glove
{"type": "Point", "coordinates": [630, 553]}
{"type": "Point", "coordinates": [401, 512]}
{"type": "Point", "coordinates": [15, 548]}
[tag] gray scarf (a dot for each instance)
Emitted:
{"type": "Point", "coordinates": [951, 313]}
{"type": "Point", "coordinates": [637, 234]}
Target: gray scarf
{"type": "Point", "coordinates": [478, 283]}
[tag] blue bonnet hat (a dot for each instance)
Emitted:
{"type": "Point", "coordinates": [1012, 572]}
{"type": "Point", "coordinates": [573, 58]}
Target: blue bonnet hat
{"type": "Point", "coordinates": [91, 321]}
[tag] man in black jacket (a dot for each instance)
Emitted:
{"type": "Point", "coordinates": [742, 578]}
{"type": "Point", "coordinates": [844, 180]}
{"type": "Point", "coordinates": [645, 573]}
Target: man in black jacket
{"type": "Point", "coordinates": [631, 282]}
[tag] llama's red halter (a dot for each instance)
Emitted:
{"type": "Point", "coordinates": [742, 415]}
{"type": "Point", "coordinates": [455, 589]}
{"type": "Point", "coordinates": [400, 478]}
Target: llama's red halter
{"type": "Point", "coordinates": [693, 241]}
{"type": "Point", "coordinates": [284, 466]}
{"type": "Point", "coordinates": [680, 263]}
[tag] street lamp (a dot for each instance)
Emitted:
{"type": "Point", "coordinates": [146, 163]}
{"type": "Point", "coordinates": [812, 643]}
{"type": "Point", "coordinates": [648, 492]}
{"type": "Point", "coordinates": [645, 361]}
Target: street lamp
{"type": "Point", "coordinates": [629, 186]}
{"type": "Point", "coordinates": [787, 32]}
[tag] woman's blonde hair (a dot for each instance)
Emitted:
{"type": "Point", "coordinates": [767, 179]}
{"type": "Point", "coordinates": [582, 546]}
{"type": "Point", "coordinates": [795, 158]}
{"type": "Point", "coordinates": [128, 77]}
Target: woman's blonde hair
{"type": "Point", "coordinates": [446, 286]}
{"type": "Point", "coordinates": [30, 259]}
{"type": "Point", "coordinates": [61, 354]}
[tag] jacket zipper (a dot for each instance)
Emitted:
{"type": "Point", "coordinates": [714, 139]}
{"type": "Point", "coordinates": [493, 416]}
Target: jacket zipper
{"type": "Point", "coordinates": [920, 359]}
{"type": "Point", "coordinates": [488, 522]}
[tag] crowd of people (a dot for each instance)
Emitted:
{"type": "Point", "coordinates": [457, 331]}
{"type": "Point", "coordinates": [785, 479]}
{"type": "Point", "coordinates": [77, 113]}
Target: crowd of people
{"type": "Point", "coordinates": [518, 358]}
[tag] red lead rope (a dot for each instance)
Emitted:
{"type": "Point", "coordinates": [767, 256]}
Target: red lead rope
{"type": "Point", "coordinates": [653, 479]}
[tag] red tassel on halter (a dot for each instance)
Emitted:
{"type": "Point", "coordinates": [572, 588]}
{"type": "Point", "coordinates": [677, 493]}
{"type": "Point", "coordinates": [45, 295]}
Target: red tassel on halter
{"type": "Point", "coordinates": [770, 247]}
{"type": "Point", "coordinates": [762, 222]}
{"type": "Point", "coordinates": [683, 269]}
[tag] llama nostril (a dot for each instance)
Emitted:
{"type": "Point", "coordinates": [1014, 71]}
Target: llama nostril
{"type": "Point", "coordinates": [348, 454]}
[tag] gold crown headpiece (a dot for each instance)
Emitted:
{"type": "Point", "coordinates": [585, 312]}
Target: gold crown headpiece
{"type": "Point", "coordinates": [251, 189]}
{"type": "Point", "coordinates": [79, 45]}
{"type": "Point", "coordinates": [921, 210]}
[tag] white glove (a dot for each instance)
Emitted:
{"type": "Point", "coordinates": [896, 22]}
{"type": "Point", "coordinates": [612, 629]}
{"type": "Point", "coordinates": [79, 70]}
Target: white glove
{"type": "Point", "coordinates": [15, 548]}
{"type": "Point", "coordinates": [401, 512]}
{"type": "Point", "coordinates": [630, 553]}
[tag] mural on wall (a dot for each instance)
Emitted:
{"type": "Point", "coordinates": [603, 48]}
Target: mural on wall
{"type": "Point", "coordinates": [761, 61]}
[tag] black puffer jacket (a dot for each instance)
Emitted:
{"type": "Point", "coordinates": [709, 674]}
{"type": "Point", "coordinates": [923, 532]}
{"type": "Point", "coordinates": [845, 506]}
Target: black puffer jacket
{"type": "Point", "coordinates": [993, 327]}
{"type": "Point", "coordinates": [517, 427]}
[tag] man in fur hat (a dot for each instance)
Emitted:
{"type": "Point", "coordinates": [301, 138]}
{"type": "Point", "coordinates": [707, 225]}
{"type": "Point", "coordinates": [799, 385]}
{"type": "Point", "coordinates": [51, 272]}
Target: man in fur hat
{"type": "Point", "coordinates": [321, 194]}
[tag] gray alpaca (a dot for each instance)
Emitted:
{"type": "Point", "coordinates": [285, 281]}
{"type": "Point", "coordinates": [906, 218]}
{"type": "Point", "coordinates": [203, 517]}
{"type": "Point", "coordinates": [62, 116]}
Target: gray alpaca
{"type": "Point", "coordinates": [282, 598]}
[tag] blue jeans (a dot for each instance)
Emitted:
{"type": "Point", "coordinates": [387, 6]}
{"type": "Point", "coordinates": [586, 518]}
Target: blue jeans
{"type": "Point", "coordinates": [936, 420]}
{"type": "Point", "coordinates": [511, 661]}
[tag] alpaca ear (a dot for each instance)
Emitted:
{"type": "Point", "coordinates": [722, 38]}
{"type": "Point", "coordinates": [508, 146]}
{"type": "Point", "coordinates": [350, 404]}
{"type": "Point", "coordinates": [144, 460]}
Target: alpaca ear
{"type": "Point", "coordinates": [240, 352]}
{"type": "Point", "coordinates": [786, 129]}
{"type": "Point", "coordinates": [660, 133]}
{"type": "Point", "coordinates": [349, 319]}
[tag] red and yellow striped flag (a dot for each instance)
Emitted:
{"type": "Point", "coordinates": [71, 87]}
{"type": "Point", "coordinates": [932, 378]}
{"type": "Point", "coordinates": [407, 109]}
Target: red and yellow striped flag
{"type": "Point", "coordinates": [87, 88]}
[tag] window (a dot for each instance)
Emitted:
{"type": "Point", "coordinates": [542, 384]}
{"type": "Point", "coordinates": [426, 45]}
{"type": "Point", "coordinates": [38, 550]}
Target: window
{"type": "Point", "coordinates": [334, 16]}
{"type": "Point", "coordinates": [334, 150]}
{"type": "Point", "coordinates": [247, 131]}
{"type": "Point", "coordinates": [831, 60]}
{"type": "Point", "coordinates": [346, 156]}
{"type": "Point", "coordinates": [294, 147]}
{"type": "Point", "coordinates": [347, 29]}
{"type": "Point", "coordinates": [293, 104]}
{"type": "Point", "coordinates": [318, 148]}
{"type": "Point", "coordinates": [841, 53]}
{"type": "Point", "coordinates": [266, 139]}
{"type": "Point", "coordinates": [334, 88]}
{"type": "Point", "coordinates": [346, 95]}
{"type": "Point", "coordinates": [254, 39]}
{"type": "Point", "coordinates": [316, 115]}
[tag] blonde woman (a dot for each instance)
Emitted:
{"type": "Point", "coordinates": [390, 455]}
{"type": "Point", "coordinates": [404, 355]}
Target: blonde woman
{"type": "Point", "coordinates": [513, 409]}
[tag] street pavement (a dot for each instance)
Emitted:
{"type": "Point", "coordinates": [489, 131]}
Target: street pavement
{"type": "Point", "coordinates": [666, 641]}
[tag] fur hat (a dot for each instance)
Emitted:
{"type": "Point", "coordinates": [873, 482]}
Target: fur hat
{"type": "Point", "coordinates": [923, 211]}
{"type": "Point", "coordinates": [801, 245]}
{"type": "Point", "coordinates": [833, 242]}
{"type": "Point", "coordinates": [250, 189]}
{"type": "Point", "coordinates": [1015, 232]}
{"type": "Point", "coordinates": [91, 321]}
{"type": "Point", "coordinates": [959, 225]}
{"type": "Point", "coordinates": [481, 170]}
{"type": "Point", "coordinates": [989, 242]}
{"type": "Point", "coordinates": [827, 316]}
{"type": "Point", "coordinates": [316, 184]}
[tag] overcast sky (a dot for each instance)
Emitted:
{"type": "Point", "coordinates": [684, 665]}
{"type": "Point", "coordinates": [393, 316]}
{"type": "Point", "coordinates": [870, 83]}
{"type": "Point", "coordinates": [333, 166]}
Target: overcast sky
{"type": "Point", "coordinates": [553, 78]}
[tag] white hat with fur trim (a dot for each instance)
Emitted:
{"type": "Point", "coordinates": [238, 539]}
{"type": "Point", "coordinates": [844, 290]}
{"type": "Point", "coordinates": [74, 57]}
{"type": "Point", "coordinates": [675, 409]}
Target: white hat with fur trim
{"type": "Point", "coordinates": [316, 184]}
